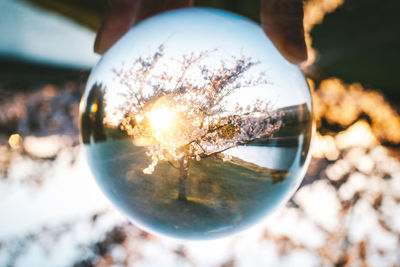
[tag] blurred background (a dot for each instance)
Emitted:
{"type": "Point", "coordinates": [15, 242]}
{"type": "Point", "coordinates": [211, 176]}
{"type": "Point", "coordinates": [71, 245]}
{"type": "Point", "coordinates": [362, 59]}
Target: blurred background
{"type": "Point", "coordinates": [345, 213]}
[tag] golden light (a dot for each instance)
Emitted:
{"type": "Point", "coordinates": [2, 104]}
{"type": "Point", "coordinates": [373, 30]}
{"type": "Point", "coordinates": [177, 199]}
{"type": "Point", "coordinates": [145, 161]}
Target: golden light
{"type": "Point", "coordinates": [314, 13]}
{"type": "Point", "coordinates": [139, 118]}
{"type": "Point", "coordinates": [358, 135]}
{"type": "Point", "coordinates": [325, 146]}
{"type": "Point", "coordinates": [161, 118]}
{"type": "Point", "coordinates": [15, 141]}
{"type": "Point", "coordinates": [94, 108]}
{"type": "Point", "coordinates": [343, 104]}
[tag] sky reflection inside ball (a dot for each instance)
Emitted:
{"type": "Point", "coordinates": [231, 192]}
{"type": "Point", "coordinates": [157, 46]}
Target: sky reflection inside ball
{"type": "Point", "coordinates": [195, 126]}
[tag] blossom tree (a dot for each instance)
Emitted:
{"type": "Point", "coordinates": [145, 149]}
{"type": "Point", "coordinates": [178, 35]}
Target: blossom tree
{"type": "Point", "coordinates": [185, 114]}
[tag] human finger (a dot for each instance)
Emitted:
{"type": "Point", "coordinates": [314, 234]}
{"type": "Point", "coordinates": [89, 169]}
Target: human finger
{"type": "Point", "coordinates": [176, 4]}
{"type": "Point", "coordinates": [122, 14]}
{"type": "Point", "coordinates": [282, 21]}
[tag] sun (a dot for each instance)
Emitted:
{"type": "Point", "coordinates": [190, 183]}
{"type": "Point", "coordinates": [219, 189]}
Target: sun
{"type": "Point", "coordinates": [161, 118]}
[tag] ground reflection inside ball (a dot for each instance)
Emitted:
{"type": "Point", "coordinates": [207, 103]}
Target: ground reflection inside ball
{"type": "Point", "coordinates": [195, 126]}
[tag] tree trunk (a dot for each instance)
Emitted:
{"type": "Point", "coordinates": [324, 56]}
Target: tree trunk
{"type": "Point", "coordinates": [183, 173]}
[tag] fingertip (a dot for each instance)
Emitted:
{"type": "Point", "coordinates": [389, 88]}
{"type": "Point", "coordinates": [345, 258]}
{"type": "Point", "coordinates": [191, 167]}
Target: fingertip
{"type": "Point", "coordinates": [119, 18]}
{"type": "Point", "coordinates": [122, 14]}
{"type": "Point", "coordinates": [176, 4]}
{"type": "Point", "coordinates": [99, 47]}
{"type": "Point", "coordinates": [109, 34]}
{"type": "Point", "coordinates": [282, 21]}
{"type": "Point", "coordinates": [294, 49]}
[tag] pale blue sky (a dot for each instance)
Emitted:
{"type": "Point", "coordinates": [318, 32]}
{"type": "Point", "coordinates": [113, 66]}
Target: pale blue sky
{"type": "Point", "coordinates": [196, 30]}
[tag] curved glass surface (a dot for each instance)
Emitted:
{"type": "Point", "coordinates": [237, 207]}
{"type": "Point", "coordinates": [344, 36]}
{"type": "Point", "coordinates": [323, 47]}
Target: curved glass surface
{"type": "Point", "coordinates": [195, 126]}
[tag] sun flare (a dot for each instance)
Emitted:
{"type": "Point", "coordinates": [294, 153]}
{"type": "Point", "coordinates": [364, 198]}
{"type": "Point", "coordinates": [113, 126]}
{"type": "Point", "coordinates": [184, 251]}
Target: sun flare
{"type": "Point", "coordinates": [161, 118]}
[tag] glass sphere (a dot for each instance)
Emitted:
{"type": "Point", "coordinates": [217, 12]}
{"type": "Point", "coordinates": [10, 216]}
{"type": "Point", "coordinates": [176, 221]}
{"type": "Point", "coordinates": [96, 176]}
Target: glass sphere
{"type": "Point", "coordinates": [195, 126]}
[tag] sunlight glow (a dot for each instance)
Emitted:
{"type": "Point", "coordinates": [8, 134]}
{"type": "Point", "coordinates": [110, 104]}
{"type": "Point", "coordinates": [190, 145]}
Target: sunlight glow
{"type": "Point", "coordinates": [324, 146]}
{"type": "Point", "coordinates": [358, 135]}
{"type": "Point", "coordinates": [161, 118]}
{"type": "Point", "coordinates": [15, 141]}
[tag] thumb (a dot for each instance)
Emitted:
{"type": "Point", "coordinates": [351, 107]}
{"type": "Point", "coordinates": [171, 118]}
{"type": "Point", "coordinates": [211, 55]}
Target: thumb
{"type": "Point", "coordinates": [282, 21]}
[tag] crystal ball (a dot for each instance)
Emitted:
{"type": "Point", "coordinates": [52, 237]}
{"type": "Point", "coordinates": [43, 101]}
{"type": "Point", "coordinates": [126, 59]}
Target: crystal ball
{"type": "Point", "coordinates": [195, 126]}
